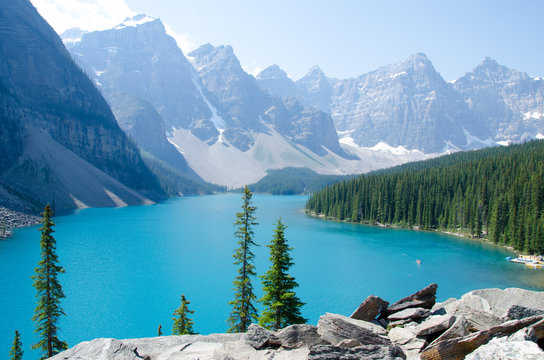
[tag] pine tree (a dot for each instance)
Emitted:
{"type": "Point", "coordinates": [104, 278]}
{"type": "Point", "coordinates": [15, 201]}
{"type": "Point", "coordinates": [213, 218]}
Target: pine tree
{"type": "Point", "coordinates": [159, 330]}
{"type": "Point", "coordinates": [183, 325]}
{"type": "Point", "coordinates": [282, 306]}
{"type": "Point", "coordinates": [16, 352]}
{"type": "Point", "coordinates": [243, 311]}
{"type": "Point", "coordinates": [49, 291]}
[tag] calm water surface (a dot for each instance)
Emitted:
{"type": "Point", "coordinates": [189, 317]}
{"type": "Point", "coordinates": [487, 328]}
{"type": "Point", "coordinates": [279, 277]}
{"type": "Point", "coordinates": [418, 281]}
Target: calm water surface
{"type": "Point", "coordinates": [127, 267]}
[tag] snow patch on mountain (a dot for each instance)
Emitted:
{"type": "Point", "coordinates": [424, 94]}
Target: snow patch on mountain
{"type": "Point", "coordinates": [135, 21]}
{"type": "Point", "coordinates": [533, 115]}
{"type": "Point", "coordinates": [475, 142]}
{"type": "Point", "coordinates": [539, 136]}
{"type": "Point", "coordinates": [217, 120]}
{"type": "Point", "coordinates": [344, 137]}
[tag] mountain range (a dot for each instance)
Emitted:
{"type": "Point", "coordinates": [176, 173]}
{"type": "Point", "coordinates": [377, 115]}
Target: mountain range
{"type": "Point", "coordinates": [137, 120]}
{"type": "Point", "coordinates": [60, 142]}
{"type": "Point", "coordinates": [409, 104]}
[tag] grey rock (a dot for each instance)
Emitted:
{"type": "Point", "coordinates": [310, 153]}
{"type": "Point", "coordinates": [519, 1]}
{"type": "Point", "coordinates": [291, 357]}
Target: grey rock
{"type": "Point", "coordinates": [527, 334]}
{"type": "Point", "coordinates": [260, 338]}
{"type": "Point", "coordinates": [297, 336]}
{"type": "Point", "coordinates": [459, 328]}
{"type": "Point", "coordinates": [410, 314]}
{"type": "Point", "coordinates": [500, 301]}
{"type": "Point", "coordinates": [407, 339]}
{"type": "Point", "coordinates": [435, 324]}
{"type": "Point", "coordinates": [424, 298]}
{"type": "Point", "coordinates": [367, 352]}
{"type": "Point", "coordinates": [480, 320]}
{"type": "Point", "coordinates": [335, 328]}
{"type": "Point", "coordinates": [101, 349]}
{"type": "Point", "coordinates": [538, 329]}
{"type": "Point", "coordinates": [458, 348]}
{"type": "Point", "coordinates": [517, 312]}
{"type": "Point", "coordinates": [506, 349]}
{"type": "Point", "coordinates": [370, 308]}
{"type": "Point", "coordinates": [442, 305]}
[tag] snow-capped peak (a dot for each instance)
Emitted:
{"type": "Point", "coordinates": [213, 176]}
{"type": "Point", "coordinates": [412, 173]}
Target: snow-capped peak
{"type": "Point", "coordinates": [135, 21]}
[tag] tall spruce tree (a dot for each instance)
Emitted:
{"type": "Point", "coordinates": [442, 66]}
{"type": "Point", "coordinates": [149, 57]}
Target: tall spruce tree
{"type": "Point", "coordinates": [49, 291]}
{"type": "Point", "coordinates": [183, 325]}
{"type": "Point", "coordinates": [16, 352]}
{"type": "Point", "coordinates": [243, 311]}
{"type": "Point", "coordinates": [282, 306]}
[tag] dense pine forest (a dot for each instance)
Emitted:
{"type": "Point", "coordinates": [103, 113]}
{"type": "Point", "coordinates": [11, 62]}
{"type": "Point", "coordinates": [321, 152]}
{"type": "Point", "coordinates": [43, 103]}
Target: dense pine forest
{"type": "Point", "coordinates": [294, 181]}
{"type": "Point", "coordinates": [496, 193]}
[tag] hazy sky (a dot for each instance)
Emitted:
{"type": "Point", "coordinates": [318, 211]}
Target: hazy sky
{"type": "Point", "coordinates": [345, 38]}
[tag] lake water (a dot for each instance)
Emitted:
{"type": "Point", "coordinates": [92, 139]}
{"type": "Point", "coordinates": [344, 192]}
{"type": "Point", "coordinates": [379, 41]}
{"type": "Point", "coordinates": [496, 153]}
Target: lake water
{"type": "Point", "coordinates": [126, 268]}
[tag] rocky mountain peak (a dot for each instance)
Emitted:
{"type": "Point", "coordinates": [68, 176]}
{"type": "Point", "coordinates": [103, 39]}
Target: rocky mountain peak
{"type": "Point", "coordinates": [315, 72]}
{"type": "Point", "coordinates": [139, 20]}
{"type": "Point", "coordinates": [215, 57]}
{"type": "Point", "coordinates": [490, 69]}
{"type": "Point", "coordinates": [273, 72]}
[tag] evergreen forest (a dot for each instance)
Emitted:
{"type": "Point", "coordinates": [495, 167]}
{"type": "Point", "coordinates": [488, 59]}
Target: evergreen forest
{"type": "Point", "coordinates": [495, 193]}
{"type": "Point", "coordinates": [294, 181]}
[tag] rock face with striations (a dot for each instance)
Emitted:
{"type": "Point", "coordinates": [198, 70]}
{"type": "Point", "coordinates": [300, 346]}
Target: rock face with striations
{"type": "Point", "coordinates": [55, 120]}
{"type": "Point", "coordinates": [508, 103]}
{"type": "Point", "coordinates": [148, 82]}
{"type": "Point", "coordinates": [409, 104]}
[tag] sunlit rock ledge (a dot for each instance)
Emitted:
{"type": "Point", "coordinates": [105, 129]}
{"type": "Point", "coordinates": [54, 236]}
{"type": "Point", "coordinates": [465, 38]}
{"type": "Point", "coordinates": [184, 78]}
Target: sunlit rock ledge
{"type": "Point", "coordinates": [482, 324]}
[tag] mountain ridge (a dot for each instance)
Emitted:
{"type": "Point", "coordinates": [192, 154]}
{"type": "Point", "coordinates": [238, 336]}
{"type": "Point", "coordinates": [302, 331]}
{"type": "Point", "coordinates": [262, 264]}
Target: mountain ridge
{"type": "Point", "coordinates": [46, 97]}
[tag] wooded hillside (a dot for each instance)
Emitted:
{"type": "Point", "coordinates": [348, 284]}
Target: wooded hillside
{"type": "Point", "coordinates": [496, 192]}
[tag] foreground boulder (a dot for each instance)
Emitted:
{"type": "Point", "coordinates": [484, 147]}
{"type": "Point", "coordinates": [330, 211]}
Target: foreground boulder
{"type": "Point", "coordinates": [424, 298]}
{"type": "Point", "coordinates": [458, 348]}
{"type": "Point", "coordinates": [335, 328]}
{"type": "Point", "coordinates": [370, 308]}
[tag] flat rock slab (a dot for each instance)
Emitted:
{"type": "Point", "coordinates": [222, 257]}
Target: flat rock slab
{"type": "Point", "coordinates": [411, 313]}
{"type": "Point", "coordinates": [297, 336]}
{"type": "Point", "coordinates": [366, 352]}
{"type": "Point", "coordinates": [334, 328]}
{"type": "Point", "coordinates": [459, 329]}
{"type": "Point", "coordinates": [424, 298]}
{"type": "Point", "coordinates": [500, 301]}
{"type": "Point", "coordinates": [370, 308]}
{"type": "Point", "coordinates": [435, 324]}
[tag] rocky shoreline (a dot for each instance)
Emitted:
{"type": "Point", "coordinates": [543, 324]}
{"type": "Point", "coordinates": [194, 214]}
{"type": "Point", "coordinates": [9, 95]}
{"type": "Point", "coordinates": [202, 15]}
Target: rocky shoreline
{"type": "Point", "coordinates": [12, 219]}
{"type": "Point", "coordinates": [482, 324]}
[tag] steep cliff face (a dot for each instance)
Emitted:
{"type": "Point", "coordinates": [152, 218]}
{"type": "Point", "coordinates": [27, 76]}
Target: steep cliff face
{"type": "Point", "coordinates": [46, 94]}
{"type": "Point", "coordinates": [249, 109]}
{"type": "Point", "coordinates": [405, 104]}
{"type": "Point", "coordinates": [138, 58]}
{"type": "Point", "coordinates": [509, 103]}
{"type": "Point", "coordinates": [409, 104]}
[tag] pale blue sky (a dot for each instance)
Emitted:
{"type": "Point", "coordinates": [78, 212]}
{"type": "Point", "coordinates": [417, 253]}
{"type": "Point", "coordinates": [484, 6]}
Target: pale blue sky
{"type": "Point", "coordinates": [347, 38]}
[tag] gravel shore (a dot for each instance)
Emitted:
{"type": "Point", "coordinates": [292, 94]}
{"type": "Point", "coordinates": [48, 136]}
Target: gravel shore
{"type": "Point", "coordinates": [11, 219]}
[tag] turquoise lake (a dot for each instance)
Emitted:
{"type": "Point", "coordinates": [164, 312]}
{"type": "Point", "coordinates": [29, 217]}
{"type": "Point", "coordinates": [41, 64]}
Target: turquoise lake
{"type": "Point", "coordinates": [126, 268]}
